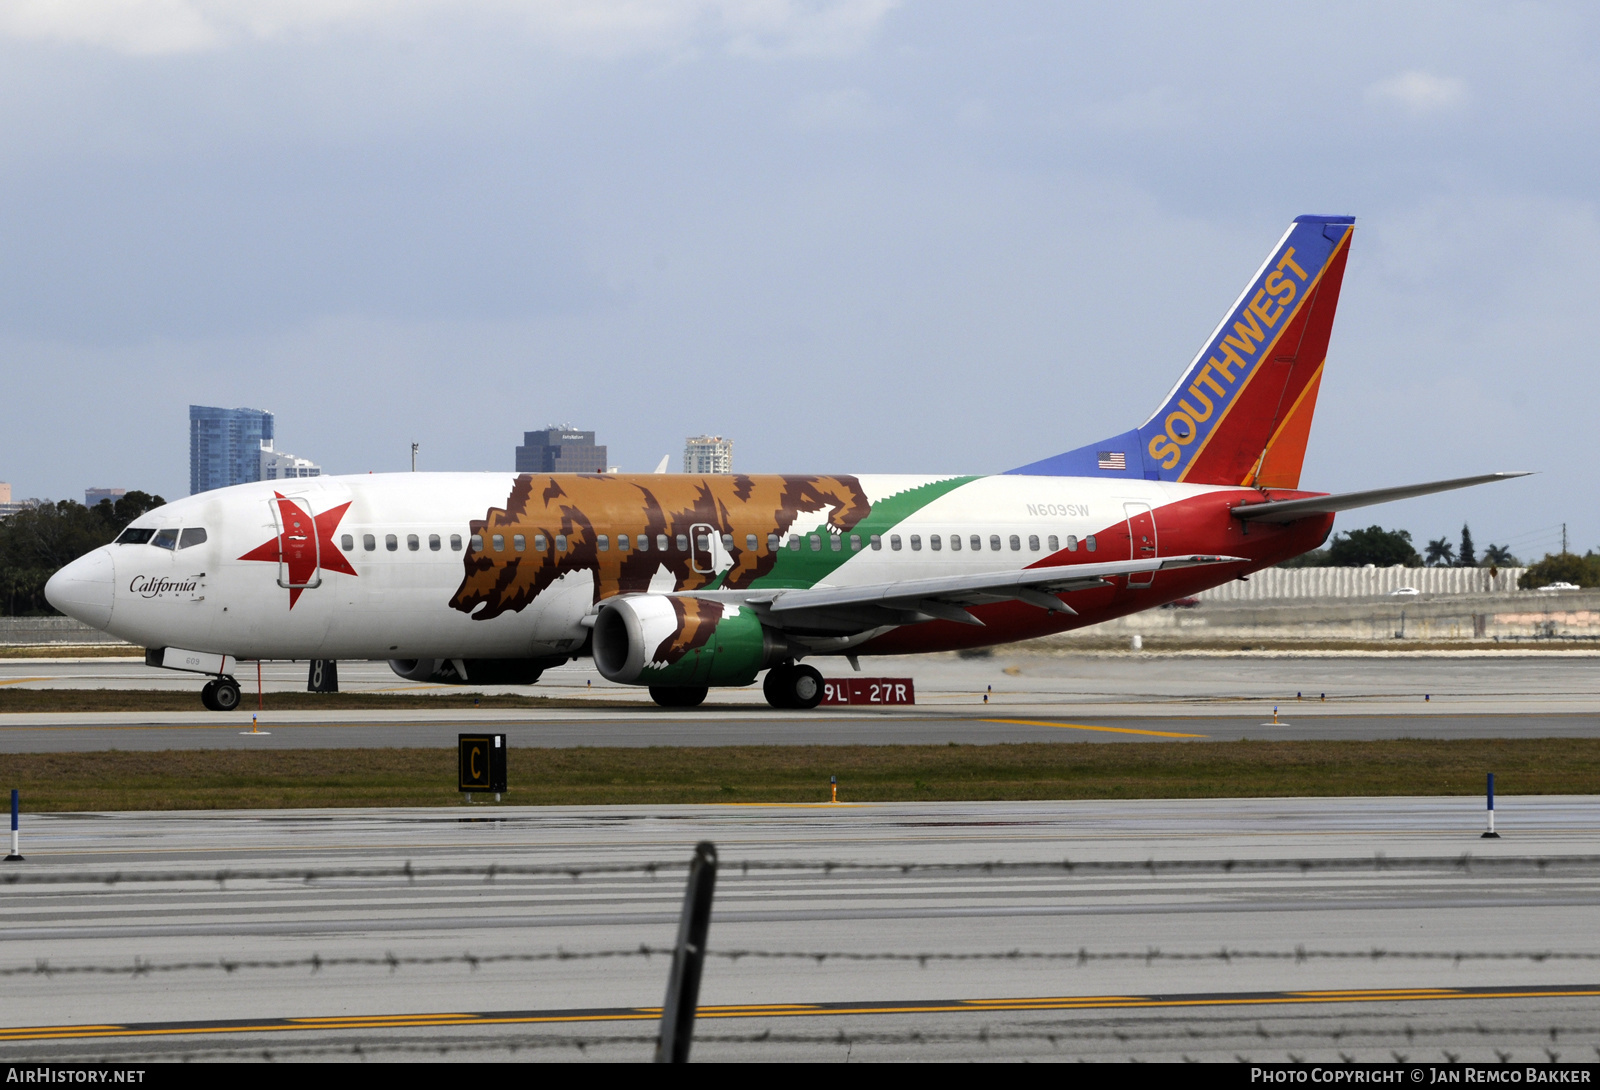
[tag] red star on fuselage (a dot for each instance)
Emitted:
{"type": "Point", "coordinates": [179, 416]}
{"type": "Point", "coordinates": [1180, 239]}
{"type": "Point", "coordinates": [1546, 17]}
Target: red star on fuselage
{"type": "Point", "coordinates": [297, 550]}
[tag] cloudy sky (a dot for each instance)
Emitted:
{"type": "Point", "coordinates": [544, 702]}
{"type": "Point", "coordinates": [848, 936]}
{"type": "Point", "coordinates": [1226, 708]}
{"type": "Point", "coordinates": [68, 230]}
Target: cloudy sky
{"type": "Point", "coordinates": [858, 235]}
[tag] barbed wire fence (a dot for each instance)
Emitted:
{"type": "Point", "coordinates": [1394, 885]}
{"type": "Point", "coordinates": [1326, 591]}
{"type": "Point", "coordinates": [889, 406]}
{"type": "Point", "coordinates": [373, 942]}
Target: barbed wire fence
{"type": "Point", "coordinates": [688, 954]}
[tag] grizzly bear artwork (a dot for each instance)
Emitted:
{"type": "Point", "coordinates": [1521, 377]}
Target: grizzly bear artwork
{"type": "Point", "coordinates": [561, 513]}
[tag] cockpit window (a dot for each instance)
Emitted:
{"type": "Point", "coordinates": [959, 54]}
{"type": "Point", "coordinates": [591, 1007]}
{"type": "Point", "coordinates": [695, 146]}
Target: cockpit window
{"type": "Point", "coordinates": [165, 539]}
{"type": "Point", "coordinates": [135, 535]}
{"type": "Point", "coordinates": [192, 535]}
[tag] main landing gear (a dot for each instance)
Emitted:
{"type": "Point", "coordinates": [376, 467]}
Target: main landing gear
{"type": "Point", "coordinates": [793, 686]}
{"type": "Point", "coordinates": [221, 695]}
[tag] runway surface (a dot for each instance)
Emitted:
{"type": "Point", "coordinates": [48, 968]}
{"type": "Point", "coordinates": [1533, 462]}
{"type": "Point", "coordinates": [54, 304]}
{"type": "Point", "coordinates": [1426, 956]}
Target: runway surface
{"type": "Point", "coordinates": [1208, 929]}
{"type": "Point", "coordinates": [1009, 697]}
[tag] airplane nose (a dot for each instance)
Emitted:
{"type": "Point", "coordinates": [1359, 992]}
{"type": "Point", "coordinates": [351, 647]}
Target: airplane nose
{"type": "Point", "coordinates": [83, 589]}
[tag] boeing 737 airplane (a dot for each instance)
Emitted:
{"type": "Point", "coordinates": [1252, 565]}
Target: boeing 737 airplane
{"type": "Point", "coordinates": [681, 582]}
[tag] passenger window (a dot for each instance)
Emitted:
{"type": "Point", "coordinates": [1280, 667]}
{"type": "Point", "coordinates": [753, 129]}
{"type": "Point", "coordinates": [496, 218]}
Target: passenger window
{"type": "Point", "coordinates": [412, 542]}
{"type": "Point", "coordinates": [644, 543]}
{"type": "Point", "coordinates": [727, 542]}
{"type": "Point", "coordinates": [836, 541]}
{"type": "Point", "coordinates": [702, 542]}
{"type": "Point", "coordinates": [977, 543]}
{"type": "Point", "coordinates": [391, 543]}
{"type": "Point", "coordinates": [368, 542]}
{"type": "Point", "coordinates": [603, 543]}
{"type": "Point", "coordinates": [623, 542]}
{"type": "Point", "coordinates": [894, 542]}
{"type": "Point", "coordinates": [166, 539]}
{"type": "Point", "coordinates": [750, 542]}
{"type": "Point", "coordinates": [916, 543]}
{"type": "Point", "coordinates": [433, 543]}
{"type": "Point", "coordinates": [499, 542]}
{"type": "Point", "coordinates": [855, 543]}
{"type": "Point", "coordinates": [347, 543]}
{"type": "Point", "coordinates": [519, 542]}
{"type": "Point", "coordinates": [877, 543]}
{"type": "Point", "coordinates": [994, 542]}
{"type": "Point", "coordinates": [561, 543]}
{"type": "Point", "coordinates": [455, 543]}
{"type": "Point", "coordinates": [1033, 542]}
{"type": "Point", "coordinates": [683, 543]}
{"type": "Point", "coordinates": [1072, 543]}
{"type": "Point", "coordinates": [933, 541]}
{"type": "Point", "coordinates": [1016, 543]}
{"type": "Point", "coordinates": [477, 543]}
{"type": "Point", "coordinates": [794, 543]}
{"type": "Point", "coordinates": [661, 543]}
{"type": "Point", "coordinates": [772, 543]}
{"type": "Point", "coordinates": [816, 543]}
{"type": "Point", "coordinates": [1055, 543]}
{"type": "Point", "coordinates": [955, 543]}
{"type": "Point", "coordinates": [1088, 543]}
{"type": "Point", "coordinates": [194, 535]}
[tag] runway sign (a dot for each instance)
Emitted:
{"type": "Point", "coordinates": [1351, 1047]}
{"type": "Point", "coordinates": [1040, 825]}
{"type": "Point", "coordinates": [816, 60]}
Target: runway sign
{"type": "Point", "coordinates": [482, 762]}
{"type": "Point", "coordinates": [868, 690]}
{"type": "Point", "coordinates": [323, 676]}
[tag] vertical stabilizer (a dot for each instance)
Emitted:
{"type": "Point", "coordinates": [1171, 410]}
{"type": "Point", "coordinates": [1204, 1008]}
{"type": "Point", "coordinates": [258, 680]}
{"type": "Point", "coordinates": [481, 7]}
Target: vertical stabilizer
{"type": "Point", "coordinates": [1241, 413]}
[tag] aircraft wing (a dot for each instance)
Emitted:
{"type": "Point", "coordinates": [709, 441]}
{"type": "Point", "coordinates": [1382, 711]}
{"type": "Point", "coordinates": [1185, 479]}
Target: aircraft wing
{"type": "Point", "coordinates": [912, 600]}
{"type": "Point", "coordinates": [1289, 510]}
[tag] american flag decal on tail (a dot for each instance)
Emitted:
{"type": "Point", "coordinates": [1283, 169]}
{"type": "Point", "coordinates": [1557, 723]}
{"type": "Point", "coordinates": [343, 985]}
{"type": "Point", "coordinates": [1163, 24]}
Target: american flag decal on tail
{"type": "Point", "coordinates": [1112, 459]}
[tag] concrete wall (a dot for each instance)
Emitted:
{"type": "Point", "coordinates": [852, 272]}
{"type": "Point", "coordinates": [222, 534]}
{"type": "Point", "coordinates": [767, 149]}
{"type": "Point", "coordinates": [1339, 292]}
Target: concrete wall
{"type": "Point", "coordinates": [1325, 583]}
{"type": "Point", "coordinates": [47, 630]}
{"type": "Point", "coordinates": [1520, 617]}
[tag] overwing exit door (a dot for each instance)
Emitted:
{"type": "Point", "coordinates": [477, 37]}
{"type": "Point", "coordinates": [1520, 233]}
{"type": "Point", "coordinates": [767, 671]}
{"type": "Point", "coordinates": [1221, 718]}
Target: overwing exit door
{"type": "Point", "coordinates": [1142, 544]}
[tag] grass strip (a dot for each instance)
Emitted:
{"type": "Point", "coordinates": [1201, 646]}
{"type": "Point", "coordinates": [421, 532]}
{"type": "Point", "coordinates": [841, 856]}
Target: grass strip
{"type": "Point", "coordinates": [18, 699]}
{"type": "Point", "coordinates": [259, 779]}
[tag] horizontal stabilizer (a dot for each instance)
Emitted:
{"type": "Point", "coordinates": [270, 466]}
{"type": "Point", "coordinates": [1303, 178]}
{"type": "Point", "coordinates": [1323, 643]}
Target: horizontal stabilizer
{"type": "Point", "coordinates": [1290, 510]}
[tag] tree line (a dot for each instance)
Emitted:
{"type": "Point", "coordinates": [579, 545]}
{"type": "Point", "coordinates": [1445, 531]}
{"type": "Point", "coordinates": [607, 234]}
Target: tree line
{"type": "Point", "coordinates": [1386, 548]}
{"type": "Point", "coordinates": [37, 542]}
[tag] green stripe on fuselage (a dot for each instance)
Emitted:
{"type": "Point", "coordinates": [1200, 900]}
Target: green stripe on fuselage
{"type": "Point", "coordinates": [805, 568]}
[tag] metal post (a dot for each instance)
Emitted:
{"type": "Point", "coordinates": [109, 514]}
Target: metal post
{"type": "Point", "coordinates": [1491, 834]}
{"type": "Point", "coordinates": [688, 958]}
{"type": "Point", "coordinates": [16, 851]}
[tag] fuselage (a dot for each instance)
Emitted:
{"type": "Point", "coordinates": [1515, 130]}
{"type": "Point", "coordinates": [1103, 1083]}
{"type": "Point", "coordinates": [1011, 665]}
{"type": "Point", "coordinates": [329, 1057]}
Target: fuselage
{"type": "Point", "coordinates": [496, 565]}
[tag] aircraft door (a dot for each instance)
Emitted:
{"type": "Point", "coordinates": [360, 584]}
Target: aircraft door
{"type": "Point", "coordinates": [1142, 544]}
{"type": "Point", "coordinates": [299, 544]}
{"type": "Point", "coordinates": [703, 548]}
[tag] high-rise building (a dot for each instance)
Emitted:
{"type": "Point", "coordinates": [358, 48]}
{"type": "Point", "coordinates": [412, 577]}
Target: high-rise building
{"type": "Point", "coordinates": [9, 508]}
{"type": "Point", "coordinates": [708, 454]}
{"type": "Point", "coordinates": [280, 465]}
{"type": "Point", "coordinates": [92, 496]}
{"type": "Point", "coordinates": [560, 450]}
{"type": "Point", "coordinates": [225, 446]}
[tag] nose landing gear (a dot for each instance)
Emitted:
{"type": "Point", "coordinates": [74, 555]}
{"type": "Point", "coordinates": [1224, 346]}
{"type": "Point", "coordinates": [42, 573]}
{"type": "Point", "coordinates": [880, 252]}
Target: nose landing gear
{"type": "Point", "coordinates": [221, 695]}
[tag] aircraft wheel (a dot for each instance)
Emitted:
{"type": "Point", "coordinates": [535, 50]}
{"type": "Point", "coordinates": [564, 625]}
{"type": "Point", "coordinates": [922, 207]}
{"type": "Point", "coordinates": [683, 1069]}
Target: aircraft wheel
{"type": "Point", "coordinates": [775, 686]}
{"type": "Point", "coordinates": [226, 695]}
{"type": "Point", "coordinates": [804, 687]}
{"type": "Point", "coordinates": [679, 696]}
{"type": "Point", "coordinates": [208, 697]}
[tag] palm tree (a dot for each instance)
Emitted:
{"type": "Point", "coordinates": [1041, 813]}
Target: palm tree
{"type": "Point", "coordinates": [1441, 554]}
{"type": "Point", "coordinates": [1499, 556]}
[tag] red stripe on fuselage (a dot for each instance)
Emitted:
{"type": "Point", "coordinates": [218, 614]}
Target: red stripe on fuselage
{"type": "Point", "coordinates": [1200, 524]}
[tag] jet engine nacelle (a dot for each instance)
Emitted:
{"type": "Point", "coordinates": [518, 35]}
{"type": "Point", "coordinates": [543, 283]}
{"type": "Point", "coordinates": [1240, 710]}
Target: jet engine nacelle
{"type": "Point", "coordinates": [474, 671]}
{"type": "Point", "coordinates": [677, 641]}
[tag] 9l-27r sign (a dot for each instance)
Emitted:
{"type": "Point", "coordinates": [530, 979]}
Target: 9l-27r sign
{"type": "Point", "coordinates": [868, 690]}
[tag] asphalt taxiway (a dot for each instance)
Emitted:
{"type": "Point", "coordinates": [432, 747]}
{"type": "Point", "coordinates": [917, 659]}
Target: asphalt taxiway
{"type": "Point", "coordinates": [1007, 697]}
{"type": "Point", "coordinates": [1112, 930]}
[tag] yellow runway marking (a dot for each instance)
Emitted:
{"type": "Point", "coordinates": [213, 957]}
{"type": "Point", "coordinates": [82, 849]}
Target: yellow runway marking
{"type": "Point", "coordinates": [25, 680]}
{"type": "Point", "coordinates": [791, 1010]}
{"type": "Point", "coordinates": [1085, 726]}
